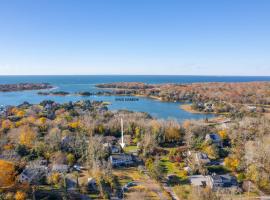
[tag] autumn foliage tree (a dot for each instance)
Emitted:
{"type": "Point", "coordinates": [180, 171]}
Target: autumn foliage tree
{"type": "Point", "coordinates": [20, 195]}
{"type": "Point", "coordinates": [27, 136]}
{"type": "Point", "coordinates": [7, 173]}
{"type": "Point", "coordinates": [232, 163]}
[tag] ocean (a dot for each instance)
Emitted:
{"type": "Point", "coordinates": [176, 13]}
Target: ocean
{"type": "Point", "coordinates": [161, 110]}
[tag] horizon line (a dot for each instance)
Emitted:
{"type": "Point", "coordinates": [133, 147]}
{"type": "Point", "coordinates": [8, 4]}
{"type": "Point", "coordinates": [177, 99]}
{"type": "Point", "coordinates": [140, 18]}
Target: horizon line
{"type": "Point", "coordinates": [133, 75]}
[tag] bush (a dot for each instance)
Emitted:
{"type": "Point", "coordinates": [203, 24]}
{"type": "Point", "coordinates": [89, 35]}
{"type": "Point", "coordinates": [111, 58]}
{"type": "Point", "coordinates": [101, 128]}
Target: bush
{"type": "Point", "coordinates": [22, 150]}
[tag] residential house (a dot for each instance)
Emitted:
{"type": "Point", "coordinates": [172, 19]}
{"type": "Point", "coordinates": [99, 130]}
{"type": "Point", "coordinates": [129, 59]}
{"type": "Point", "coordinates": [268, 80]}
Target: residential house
{"type": "Point", "coordinates": [121, 160]}
{"type": "Point", "coordinates": [222, 181]}
{"type": "Point", "coordinates": [214, 138]}
{"type": "Point", "coordinates": [197, 158]}
{"type": "Point", "coordinates": [198, 180]}
{"type": "Point", "coordinates": [110, 139]}
{"type": "Point", "coordinates": [33, 174]}
{"type": "Point", "coordinates": [60, 168]}
{"type": "Point", "coordinates": [92, 185]}
{"type": "Point", "coordinates": [10, 155]}
{"type": "Point", "coordinates": [201, 158]}
{"type": "Point", "coordinates": [112, 148]}
{"type": "Point", "coordinates": [208, 107]}
{"type": "Point", "coordinates": [67, 142]}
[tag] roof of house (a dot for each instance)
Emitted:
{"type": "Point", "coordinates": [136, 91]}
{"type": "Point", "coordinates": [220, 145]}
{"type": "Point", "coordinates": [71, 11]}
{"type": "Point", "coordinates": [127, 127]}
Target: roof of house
{"type": "Point", "coordinates": [198, 180]}
{"type": "Point", "coordinates": [60, 167]}
{"type": "Point", "coordinates": [110, 139]}
{"type": "Point", "coordinates": [34, 172]}
{"type": "Point", "coordinates": [120, 156]}
{"type": "Point", "coordinates": [226, 180]}
{"type": "Point", "coordinates": [202, 156]}
{"type": "Point", "coordinates": [214, 137]}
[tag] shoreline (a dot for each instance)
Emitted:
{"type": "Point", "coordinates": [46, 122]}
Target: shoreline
{"type": "Point", "coordinates": [187, 108]}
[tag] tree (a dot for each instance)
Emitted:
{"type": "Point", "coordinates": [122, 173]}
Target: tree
{"type": "Point", "coordinates": [42, 120]}
{"type": "Point", "coordinates": [155, 168]}
{"type": "Point", "coordinates": [223, 134]}
{"type": "Point", "coordinates": [20, 113]}
{"type": "Point", "coordinates": [96, 152]}
{"type": "Point", "coordinates": [27, 136]}
{"type": "Point", "coordinates": [6, 125]}
{"type": "Point", "coordinates": [55, 178]}
{"type": "Point", "coordinates": [173, 132]}
{"type": "Point", "coordinates": [20, 195]}
{"type": "Point", "coordinates": [70, 159]}
{"type": "Point", "coordinates": [22, 150]}
{"type": "Point", "coordinates": [212, 151]}
{"type": "Point", "coordinates": [7, 173]}
{"type": "Point", "coordinates": [148, 145]}
{"type": "Point", "coordinates": [231, 163]}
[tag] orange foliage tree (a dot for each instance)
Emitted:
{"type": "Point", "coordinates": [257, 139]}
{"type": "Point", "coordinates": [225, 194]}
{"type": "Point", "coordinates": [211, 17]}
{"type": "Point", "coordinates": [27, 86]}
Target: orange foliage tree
{"type": "Point", "coordinates": [20, 195]}
{"type": "Point", "coordinates": [7, 173]}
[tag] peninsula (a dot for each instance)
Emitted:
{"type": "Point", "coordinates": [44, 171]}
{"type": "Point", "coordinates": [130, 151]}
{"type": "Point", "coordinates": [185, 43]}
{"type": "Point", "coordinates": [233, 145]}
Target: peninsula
{"type": "Point", "coordinates": [24, 86]}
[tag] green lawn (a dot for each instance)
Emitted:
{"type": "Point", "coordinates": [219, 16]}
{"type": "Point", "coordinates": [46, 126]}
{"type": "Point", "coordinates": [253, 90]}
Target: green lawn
{"type": "Point", "coordinates": [130, 149]}
{"type": "Point", "coordinates": [172, 168]}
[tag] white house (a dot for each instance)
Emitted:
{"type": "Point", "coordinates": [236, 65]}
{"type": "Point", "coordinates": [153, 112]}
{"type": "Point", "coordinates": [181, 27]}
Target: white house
{"type": "Point", "coordinates": [198, 180]}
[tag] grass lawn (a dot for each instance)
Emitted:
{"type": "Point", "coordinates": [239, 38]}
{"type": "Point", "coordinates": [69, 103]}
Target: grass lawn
{"type": "Point", "coordinates": [130, 149]}
{"type": "Point", "coordinates": [147, 188]}
{"type": "Point", "coordinates": [182, 191]}
{"type": "Point", "coordinates": [126, 175]}
{"type": "Point", "coordinates": [171, 167]}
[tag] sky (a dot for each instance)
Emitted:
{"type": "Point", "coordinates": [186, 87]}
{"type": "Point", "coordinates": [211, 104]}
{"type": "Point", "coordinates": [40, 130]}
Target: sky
{"type": "Point", "coordinates": [178, 37]}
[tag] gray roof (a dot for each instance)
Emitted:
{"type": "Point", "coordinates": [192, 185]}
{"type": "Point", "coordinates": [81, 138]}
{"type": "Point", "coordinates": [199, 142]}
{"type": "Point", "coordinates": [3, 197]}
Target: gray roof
{"type": "Point", "coordinates": [225, 180]}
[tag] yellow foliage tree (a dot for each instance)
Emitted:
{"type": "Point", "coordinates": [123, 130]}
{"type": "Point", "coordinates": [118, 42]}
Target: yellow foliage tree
{"type": "Point", "coordinates": [74, 125]}
{"type": "Point", "coordinates": [20, 195]}
{"type": "Point", "coordinates": [55, 178]}
{"type": "Point", "coordinates": [7, 173]}
{"type": "Point", "coordinates": [19, 123]}
{"type": "Point", "coordinates": [211, 151]}
{"type": "Point", "coordinates": [70, 159]}
{"type": "Point", "coordinates": [231, 163]}
{"type": "Point", "coordinates": [27, 136]}
{"type": "Point", "coordinates": [253, 173]}
{"type": "Point", "coordinates": [223, 134]}
{"type": "Point", "coordinates": [7, 124]}
{"type": "Point", "coordinates": [42, 120]}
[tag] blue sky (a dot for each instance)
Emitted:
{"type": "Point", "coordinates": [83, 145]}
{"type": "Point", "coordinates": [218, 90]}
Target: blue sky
{"type": "Point", "coordinates": [185, 37]}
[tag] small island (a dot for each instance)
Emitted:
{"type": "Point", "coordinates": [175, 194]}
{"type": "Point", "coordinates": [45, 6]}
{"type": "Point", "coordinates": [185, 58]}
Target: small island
{"type": "Point", "coordinates": [56, 93]}
{"type": "Point", "coordinates": [24, 86]}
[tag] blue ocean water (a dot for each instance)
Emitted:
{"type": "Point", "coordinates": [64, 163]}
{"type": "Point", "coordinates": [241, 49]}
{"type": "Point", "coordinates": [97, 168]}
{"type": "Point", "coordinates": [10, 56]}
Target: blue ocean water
{"type": "Point", "coordinates": [73, 84]}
